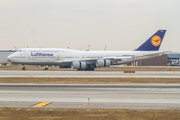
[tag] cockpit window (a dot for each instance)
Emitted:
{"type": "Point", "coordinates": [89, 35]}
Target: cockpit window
{"type": "Point", "coordinates": [19, 51]}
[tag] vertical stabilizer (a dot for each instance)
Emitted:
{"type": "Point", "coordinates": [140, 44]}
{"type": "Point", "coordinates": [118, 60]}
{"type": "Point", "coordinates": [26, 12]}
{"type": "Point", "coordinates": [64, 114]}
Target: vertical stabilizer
{"type": "Point", "coordinates": [153, 43]}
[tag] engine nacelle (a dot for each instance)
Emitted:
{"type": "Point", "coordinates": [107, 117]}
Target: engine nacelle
{"type": "Point", "coordinates": [103, 63]}
{"type": "Point", "coordinates": [78, 65]}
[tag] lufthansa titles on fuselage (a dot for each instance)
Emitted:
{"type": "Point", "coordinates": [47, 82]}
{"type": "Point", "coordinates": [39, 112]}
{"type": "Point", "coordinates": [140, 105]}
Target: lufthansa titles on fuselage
{"type": "Point", "coordinates": [42, 54]}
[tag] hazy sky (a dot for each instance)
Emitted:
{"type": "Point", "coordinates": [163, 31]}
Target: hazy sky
{"type": "Point", "coordinates": [119, 24]}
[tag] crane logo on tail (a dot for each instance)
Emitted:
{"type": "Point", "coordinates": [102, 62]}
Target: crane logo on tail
{"type": "Point", "coordinates": [156, 40]}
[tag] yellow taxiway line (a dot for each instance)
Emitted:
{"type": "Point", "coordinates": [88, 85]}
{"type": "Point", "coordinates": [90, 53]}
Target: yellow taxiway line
{"type": "Point", "coordinates": [41, 104]}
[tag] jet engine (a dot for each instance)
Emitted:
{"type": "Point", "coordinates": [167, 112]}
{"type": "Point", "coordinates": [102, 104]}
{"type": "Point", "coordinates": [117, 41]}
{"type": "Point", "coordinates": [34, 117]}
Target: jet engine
{"type": "Point", "coordinates": [103, 63]}
{"type": "Point", "coordinates": [79, 65]}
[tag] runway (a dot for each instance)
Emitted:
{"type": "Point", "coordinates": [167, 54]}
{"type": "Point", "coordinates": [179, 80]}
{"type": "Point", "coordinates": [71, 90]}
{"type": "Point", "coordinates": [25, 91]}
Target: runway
{"type": "Point", "coordinates": [126, 96]}
{"type": "Point", "coordinates": [90, 74]}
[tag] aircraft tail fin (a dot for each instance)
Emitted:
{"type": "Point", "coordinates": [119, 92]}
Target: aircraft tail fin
{"type": "Point", "coordinates": [153, 43]}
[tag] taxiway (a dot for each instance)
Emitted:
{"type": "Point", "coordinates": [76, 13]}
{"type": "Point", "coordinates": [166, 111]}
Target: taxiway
{"type": "Point", "coordinates": [90, 74]}
{"type": "Point", "coordinates": [126, 96]}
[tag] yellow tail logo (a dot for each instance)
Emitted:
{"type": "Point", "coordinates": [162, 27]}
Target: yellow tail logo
{"type": "Point", "coordinates": [156, 40]}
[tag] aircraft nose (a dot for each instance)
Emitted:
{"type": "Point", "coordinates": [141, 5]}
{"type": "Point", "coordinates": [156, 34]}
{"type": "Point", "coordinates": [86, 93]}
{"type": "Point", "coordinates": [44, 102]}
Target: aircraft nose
{"type": "Point", "coordinates": [9, 58]}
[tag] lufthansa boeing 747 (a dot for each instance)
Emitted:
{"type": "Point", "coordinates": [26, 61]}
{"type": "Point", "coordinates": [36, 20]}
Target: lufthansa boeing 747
{"type": "Point", "coordinates": [86, 60]}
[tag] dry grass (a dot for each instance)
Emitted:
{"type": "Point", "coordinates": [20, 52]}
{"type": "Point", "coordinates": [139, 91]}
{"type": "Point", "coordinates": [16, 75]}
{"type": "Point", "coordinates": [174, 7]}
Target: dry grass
{"type": "Point", "coordinates": [92, 80]}
{"type": "Point", "coordinates": [86, 114]}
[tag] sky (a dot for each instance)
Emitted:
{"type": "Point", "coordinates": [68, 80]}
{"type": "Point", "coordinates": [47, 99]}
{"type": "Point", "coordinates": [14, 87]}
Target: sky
{"type": "Point", "coordinates": [120, 24]}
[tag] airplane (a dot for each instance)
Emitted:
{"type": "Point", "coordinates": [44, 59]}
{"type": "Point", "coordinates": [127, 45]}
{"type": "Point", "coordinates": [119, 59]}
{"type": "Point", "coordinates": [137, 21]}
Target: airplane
{"type": "Point", "coordinates": [86, 60]}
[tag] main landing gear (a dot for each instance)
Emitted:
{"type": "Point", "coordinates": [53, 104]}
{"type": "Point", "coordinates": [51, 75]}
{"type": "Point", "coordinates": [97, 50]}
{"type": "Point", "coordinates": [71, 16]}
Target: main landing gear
{"type": "Point", "coordinates": [87, 69]}
{"type": "Point", "coordinates": [46, 68]}
{"type": "Point", "coordinates": [23, 67]}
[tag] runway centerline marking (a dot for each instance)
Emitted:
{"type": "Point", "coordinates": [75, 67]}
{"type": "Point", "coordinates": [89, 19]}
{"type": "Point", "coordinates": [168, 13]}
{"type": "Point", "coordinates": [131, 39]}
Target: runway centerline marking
{"type": "Point", "coordinates": [41, 104]}
{"type": "Point", "coordinates": [130, 76]}
{"type": "Point", "coordinates": [29, 76]}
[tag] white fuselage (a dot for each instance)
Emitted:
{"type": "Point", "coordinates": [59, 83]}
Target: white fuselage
{"type": "Point", "coordinates": [56, 56]}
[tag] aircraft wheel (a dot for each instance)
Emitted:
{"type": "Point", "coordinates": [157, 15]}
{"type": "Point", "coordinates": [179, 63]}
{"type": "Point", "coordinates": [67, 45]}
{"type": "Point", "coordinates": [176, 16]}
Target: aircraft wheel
{"type": "Point", "coordinates": [80, 69]}
{"type": "Point", "coordinates": [23, 68]}
{"type": "Point", "coordinates": [46, 68]}
{"type": "Point", "coordinates": [89, 69]}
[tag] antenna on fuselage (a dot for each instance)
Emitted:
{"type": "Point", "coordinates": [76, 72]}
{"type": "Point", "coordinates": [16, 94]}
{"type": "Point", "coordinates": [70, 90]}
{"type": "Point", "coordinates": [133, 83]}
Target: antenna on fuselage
{"type": "Point", "coordinates": [88, 47]}
{"type": "Point", "coordinates": [105, 47]}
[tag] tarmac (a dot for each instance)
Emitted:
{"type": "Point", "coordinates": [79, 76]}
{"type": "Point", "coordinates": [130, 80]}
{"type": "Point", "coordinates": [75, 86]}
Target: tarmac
{"type": "Point", "coordinates": [90, 74]}
{"type": "Point", "coordinates": [125, 96]}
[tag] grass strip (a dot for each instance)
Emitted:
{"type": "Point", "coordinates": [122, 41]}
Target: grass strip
{"type": "Point", "coordinates": [86, 114]}
{"type": "Point", "coordinates": [91, 80]}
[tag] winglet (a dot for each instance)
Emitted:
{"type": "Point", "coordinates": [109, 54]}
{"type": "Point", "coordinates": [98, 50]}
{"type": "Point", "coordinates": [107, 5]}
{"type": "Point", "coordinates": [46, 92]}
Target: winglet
{"type": "Point", "coordinates": [153, 43]}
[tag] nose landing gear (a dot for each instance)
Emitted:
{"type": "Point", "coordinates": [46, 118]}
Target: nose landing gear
{"type": "Point", "coordinates": [23, 67]}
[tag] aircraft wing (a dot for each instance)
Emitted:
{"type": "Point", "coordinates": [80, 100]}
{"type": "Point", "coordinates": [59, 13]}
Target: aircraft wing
{"type": "Point", "coordinates": [67, 61]}
{"type": "Point", "coordinates": [94, 59]}
{"type": "Point", "coordinates": [112, 58]}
